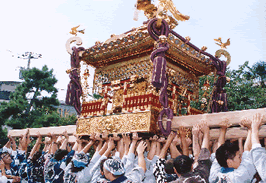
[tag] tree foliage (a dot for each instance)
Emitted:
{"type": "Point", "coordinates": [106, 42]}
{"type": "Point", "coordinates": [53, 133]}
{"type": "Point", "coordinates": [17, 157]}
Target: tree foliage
{"type": "Point", "coordinates": [33, 104]}
{"type": "Point", "coordinates": [246, 89]}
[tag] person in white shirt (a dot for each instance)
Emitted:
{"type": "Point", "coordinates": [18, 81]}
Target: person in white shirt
{"type": "Point", "coordinates": [258, 153]}
{"type": "Point", "coordinates": [228, 164]}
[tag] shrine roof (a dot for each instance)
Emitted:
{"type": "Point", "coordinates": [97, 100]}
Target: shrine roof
{"type": "Point", "coordinates": [137, 43]}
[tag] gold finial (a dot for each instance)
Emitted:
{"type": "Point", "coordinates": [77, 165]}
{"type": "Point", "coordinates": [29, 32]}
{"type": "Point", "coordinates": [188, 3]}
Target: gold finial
{"type": "Point", "coordinates": [165, 5]}
{"type": "Point", "coordinates": [222, 45]}
{"type": "Point", "coordinates": [188, 38]}
{"type": "Point", "coordinates": [74, 30]}
{"type": "Point", "coordinates": [203, 48]}
{"type": "Point", "coordinates": [152, 11]}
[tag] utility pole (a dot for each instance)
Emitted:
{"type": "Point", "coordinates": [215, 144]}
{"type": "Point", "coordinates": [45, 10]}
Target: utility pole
{"type": "Point", "coordinates": [29, 56]}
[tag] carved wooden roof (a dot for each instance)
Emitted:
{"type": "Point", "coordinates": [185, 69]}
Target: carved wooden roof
{"type": "Point", "coordinates": [138, 43]}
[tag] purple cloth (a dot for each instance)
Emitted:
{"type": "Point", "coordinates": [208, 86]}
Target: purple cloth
{"type": "Point", "coordinates": [74, 89]}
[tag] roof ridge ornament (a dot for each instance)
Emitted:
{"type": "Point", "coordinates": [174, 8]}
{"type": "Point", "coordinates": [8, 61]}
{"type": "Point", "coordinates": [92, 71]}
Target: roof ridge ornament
{"type": "Point", "coordinates": [160, 12]}
{"type": "Point", "coordinates": [221, 44]}
{"type": "Point", "coordinates": [75, 39]}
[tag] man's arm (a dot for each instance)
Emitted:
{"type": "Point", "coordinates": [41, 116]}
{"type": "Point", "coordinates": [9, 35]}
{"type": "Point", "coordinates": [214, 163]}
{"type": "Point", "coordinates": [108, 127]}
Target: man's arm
{"type": "Point", "coordinates": [54, 145]}
{"type": "Point", "coordinates": [258, 153]}
{"type": "Point", "coordinates": [65, 142]}
{"type": "Point", "coordinates": [223, 128]}
{"type": "Point", "coordinates": [206, 134]}
{"type": "Point", "coordinates": [153, 147]}
{"type": "Point", "coordinates": [183, 133]}
{"type": "Point", "coordinates": [240, 144]}
{"type": "Point", "coordinates": [247, 124]}
{"type": "Point", "coordinates": [35, 147]}
{"type": "Point", "coordinates": [195, 143]}
{"type": "Point", "coordinates": [141, 159]}
{"type": "Point", "coordinates": [173, 149]}
{"type": "Point", "coordinates": [88, 146]}
{"type": "Point", "coordinates": [167, 145]}
{"type": "Point", "coordinates": [127, 141]}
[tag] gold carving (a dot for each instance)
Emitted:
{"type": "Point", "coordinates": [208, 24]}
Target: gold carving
{"type": "Point", "coordinates": [220, 52]}
{"type": "Point", "coordinates": [74, 30]}
{"type": "Point", "coordinates": [222, 45]}
{"type": "Point", "coordinates": [117, 101]}
{"type": "Point", "coordinates": [123, 123]}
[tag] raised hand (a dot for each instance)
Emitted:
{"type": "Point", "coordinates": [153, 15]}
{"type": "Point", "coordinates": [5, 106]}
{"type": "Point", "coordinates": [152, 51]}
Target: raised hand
{"type": "Point", "coordinates": [170, 137]}
{"type": "Point", "coordinates": [93, 136]}
{"type": "Point", "coordinates": [98, 137]}
{"type": "Point", "coordinates": [176, 141]}
{"type": "Point", "coordinates": [66, 134]}
{"type": "Point", "coordinates": [154, 138]}
{"type": "Point", "coordinates": [257, 121]}
{"type": "Point", "coordinates": [105, 135]}
{"type": "Point", "coordinates": [2, 165]}
{"type": "Point", "coordinates": [116, 137]}
{"type": "Point", "coordinates": [224, 124]}
{"type": "Point", "coordinates": [196, 130]}
{"type": "Point", "coordinates": [162, 140]}
{"type": "Point", "coordinates": [39, 138]}
{"type": "Point", "coordinates": [245, 122]}
{"type": "Point", "coordinates": [182, 131]}
{"type": "Point", "coordinates": [111, 143]}
{"type": "Point", "coordinates": [127, 140]}
{"type": "Point", "coordinates": [135, 136]}
{"type": "Point", "coordinates": [189, 141]}
{"type": "Point", "coordinates": [141, 147]}
{"type": "Point", "coordinates": [204, 126]}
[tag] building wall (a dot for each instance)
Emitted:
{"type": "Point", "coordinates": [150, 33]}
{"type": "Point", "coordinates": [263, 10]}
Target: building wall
{"type": "Point", "coordinates": [6, 88]}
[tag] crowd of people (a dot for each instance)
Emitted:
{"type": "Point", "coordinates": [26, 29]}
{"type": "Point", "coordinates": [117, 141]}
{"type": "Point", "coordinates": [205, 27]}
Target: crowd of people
{"type": "Point", "coordinates": [129, 158]}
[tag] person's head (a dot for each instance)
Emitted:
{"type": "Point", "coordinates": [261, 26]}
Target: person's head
{"type": "Point", "coordinates": [228, 155]}
{"type": "Point", "coordinates": [169, 166]}
{"type": "Point", "coordinates": [36, 155]}
{"type": "Point", "coordinates": [79, 162]}
{"type": "Point", "coordinates": [113, 169]}
{"type": "Point", "coordinates": [182, 164]}
{"type": "Point", "coordinates": [60, 154]}
{"type": "Point", "coordinates": [6, 157]}
{"type": "Point", "coordinates": [101, 166]}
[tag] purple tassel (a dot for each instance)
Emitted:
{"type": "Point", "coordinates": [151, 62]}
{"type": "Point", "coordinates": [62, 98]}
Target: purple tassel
{"type": "Point", "coordinates": [74, 89]}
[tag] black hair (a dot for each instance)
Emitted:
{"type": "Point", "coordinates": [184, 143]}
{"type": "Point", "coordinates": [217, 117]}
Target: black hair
{"type": "Point", "coordinates": [169, 166]}
{"type": "Point", "coordinates": [183, 164]}
{"type": "Point", "coordinates": [76, 169]}
{"type": "Point", "coordinates": [59, 154]}
{"type": "Point", "coordinates": [226, 151]}
{"type": "Point", "coordinates": [101, 164]}
{"type": "Point", "coordinates": [36, 156]}
{"type": "Point", "coordinates": [4, 154]}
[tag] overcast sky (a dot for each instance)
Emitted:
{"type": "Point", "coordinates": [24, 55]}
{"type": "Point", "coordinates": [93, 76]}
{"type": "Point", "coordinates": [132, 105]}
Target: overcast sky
{"type": "Point", "coordinates": [43, 27]}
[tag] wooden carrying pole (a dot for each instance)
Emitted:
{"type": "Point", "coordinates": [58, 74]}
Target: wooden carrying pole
{"type": "Point", "coordinates": [212, 119]}
{"type": "Point", "coordinates": [57, 130]}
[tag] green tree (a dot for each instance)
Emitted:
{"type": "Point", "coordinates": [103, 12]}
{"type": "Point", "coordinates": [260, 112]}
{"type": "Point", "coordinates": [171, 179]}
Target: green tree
{"type": "Point", "coordinates": [246, 89]}
{"type": "Point", "coordinates": [32, 105]}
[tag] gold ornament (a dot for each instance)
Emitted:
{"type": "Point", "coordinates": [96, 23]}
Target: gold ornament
{"type": "Point", "coordinates": [74, 30]}
{"type": "Point", "coordinates": [222, 45]}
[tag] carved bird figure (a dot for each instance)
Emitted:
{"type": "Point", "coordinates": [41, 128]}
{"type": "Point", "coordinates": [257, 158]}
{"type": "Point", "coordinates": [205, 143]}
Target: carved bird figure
{"type": "Point", "coordinates": [221, 44]}
{"type": "Point", "coordinates": [74, 31]}
{"type": "Point", "coordinates": [169, 5]}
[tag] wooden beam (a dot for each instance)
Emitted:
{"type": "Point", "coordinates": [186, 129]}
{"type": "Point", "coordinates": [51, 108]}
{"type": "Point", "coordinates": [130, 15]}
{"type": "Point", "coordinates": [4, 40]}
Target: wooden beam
{"type": "Point", "coordinates": [57, 130]}
{"type": "Point", "coordinates": [214, 119]}
{"type": "Point", "coordinates": [236, 132]}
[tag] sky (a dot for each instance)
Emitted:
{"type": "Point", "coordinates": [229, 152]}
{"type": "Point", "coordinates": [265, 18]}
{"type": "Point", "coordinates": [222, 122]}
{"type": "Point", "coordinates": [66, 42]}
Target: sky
{"type": "Point", "coordinates": [43, 27]}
